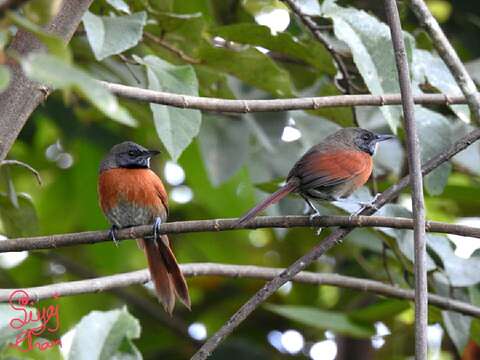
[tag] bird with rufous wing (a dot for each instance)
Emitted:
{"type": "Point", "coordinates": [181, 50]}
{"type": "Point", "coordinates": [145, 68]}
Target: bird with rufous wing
{"type": "Point", "coordinates": [331, 170]}
{"type": "Point", "coordinates": [131, 194]}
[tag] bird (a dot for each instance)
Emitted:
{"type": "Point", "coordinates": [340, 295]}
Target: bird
{"type": "Point", "coordinates": [330, 171]}
{"type": "Point", "coordinates": [131, 194]}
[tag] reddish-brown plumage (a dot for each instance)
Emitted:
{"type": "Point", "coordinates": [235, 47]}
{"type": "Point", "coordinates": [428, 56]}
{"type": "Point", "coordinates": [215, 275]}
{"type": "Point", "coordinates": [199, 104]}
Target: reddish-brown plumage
{"type": "Point", "coordinates": [140, 186]}
{"type": "Point", "coordinates": [330, 170]}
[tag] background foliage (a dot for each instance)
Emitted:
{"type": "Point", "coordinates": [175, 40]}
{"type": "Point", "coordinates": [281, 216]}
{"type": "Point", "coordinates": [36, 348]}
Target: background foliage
{"type": "Point", "coordinates": [219, 165]}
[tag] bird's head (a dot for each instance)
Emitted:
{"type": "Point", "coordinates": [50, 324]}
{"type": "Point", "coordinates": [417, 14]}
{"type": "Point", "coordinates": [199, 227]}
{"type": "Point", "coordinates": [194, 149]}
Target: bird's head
{"type": "Point", "coordinates": [361, 139]}
{"type": "Point", "coordinates": [128, 155]}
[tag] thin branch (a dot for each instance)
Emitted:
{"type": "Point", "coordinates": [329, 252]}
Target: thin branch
{"type": "Point", "coordinates": [248, 106]}
{"type": "Point", "coordinates": [159, 41]}
{"type": "Point", "coordinates": [449, 55]}
{"type": "Point", "coordinates": [23, 95]}
{"type": "Point", "coordinates": [25, 165]}
{"type": "Point", "coordinates": [416, 181]}
{"type": "Point", "coordinates": [239, 271]}
{"type": "Point", "coordinates": [272, 286]}
{"type": "Point", "coordinates": [314, 29]}
{"type": "Point", "coordinates": [180, 227]}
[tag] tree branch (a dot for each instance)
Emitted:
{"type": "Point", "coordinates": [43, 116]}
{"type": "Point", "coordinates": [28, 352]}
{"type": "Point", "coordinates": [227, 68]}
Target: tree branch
{"type": "Point", "coordinates": [416, 181]}
{"type": "Point", "coordinates": [180, 227]}
{"type": "Point", "coordinates": [23, 95]}
{"type": "Point", "coordinates": [248, 106]}
{"type": "Point", "coordinates": [270, 287]}
{"type": "Point", "coordinates": [312, 26]}
{"type": "Point", "coordinates": [238, 271]}
{"type": "Point", "coordinates": [449, 56]}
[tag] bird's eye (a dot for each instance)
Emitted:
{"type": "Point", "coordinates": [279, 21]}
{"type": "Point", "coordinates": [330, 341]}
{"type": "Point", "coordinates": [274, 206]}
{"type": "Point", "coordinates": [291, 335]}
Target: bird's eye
{"type": "Point", "coordinates": [366, 136]}
{"type": "Point", "coordinates": [131, 153]}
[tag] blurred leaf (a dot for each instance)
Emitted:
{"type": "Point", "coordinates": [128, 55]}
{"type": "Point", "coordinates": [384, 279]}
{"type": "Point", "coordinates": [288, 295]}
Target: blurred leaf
{"type": "Point", "coordinates": [381, 310]}
{"type": "Point", "coordinates": [50, 70]}
{"type": "Point", "coordinates": [458, 328]}
{"type": "Point", "coordinates": [371, 46]}
{"type": "Point", "coordinates": [175, 127]}
{"type": "Point", "coordinates": [250, 66]}
{"type": "Point", "coordinates": [435, 134]}
{"type": "Point", "coordinates": [41, 11]}
{"type": "Point", "coordinates": [55, 45]}
{"type": "Point", "coordinates": [104, 335]}
{"type": "Point", "coordinates": [470, 157]}
{"type": "Point", "coordinates": [7, 314]}
{"type": "Point", "coordinates": [430, 68]}
{"type": "Point", "coordinates": [255, 7]}
{"type": "Point", "coordinates": [113, 35]}
{"type": "Point", "coordinates": [460, 272]}
{"type": "Point", "coordinates": [257, 35]}
{"type": "Point", "coordinates": [325, 320]}
{"type": "Point", "coordinates": [18, 221]}
{"type": "Point", "coordinates": [224, 146]}
{"type": "Point", "coordinates": [120, 5]}
{"type": "Point", "coordinates": [4, 77]}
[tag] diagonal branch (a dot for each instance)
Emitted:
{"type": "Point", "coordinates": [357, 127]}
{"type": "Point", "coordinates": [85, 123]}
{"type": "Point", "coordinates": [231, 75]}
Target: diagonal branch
{"type": "Point", "coordinates": [179, 227]}
{"type": "Point", "coordinates": [272, 286]}
{"type": "Point", "coordinates": [239, 271]}
{"type": "Point", "coordinates": [248, 106]}
{"type": "Point", "coordinates": [449, 55]}
{"type": "Point", "coordinates": [24, 95]}
{"type": "Point", "coordinates": [416, 182]}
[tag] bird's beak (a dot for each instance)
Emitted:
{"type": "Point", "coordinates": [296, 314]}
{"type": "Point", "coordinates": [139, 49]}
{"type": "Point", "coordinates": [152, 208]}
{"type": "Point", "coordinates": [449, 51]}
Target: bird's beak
{"type": "Point", "coordinates": [153, 153]}
{"type": "Point", "coordinates": [384, 137]}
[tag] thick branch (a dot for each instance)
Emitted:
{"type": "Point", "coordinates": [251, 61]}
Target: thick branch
{"type": "Point", "coordinates": [416, 182]}
{"type": "Point", "coordinates": [449, 55]}
{"type": "Point", "coordinates": [270, 287]}
{"type": "Point", "coordinates": [247, 106]}
{"type": "Point", "coordinates": [179, 227]}
{"type": "Point", "coordinates": [23, 95]}
{"type": "Point", "coordinates": [238, 271]}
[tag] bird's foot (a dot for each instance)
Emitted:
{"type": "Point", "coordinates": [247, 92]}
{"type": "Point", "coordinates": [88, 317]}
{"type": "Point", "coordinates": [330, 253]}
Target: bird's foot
{"type": "Point", "coordinates": [314, 215]}
{"type": "Point", "coordinates": [112, 235]}
{"type": "Point", "coordinates": [319, 231]}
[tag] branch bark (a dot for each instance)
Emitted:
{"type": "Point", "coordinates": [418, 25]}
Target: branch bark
{"type": "Point", "coordinates": [449, 56]}
{"type": "Point", "coordinates": [179, 227]}
{"type": "Point", "coordinates": [270, 287]}
{"type": "Point", "coordinates": [238, 271]}
{"type": "Point", "coordinates": [416, 181]}
{"type": "Point", "coordinates": [23, 96]}
{"type": "Point", "coordinates": [248, 106]}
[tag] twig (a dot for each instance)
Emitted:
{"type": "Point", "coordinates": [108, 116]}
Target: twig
{"type": "Point", "coordinates": [25, 165]}
{"type": "Point", "coordinates": [270, 287]}
{"type": "Point", "coordinates": [315, 30]}
{"type": "Point", "coordinates": [239, 271]}
{"type": "Point", "coordinates": [248, 106]}
{"type": "Point", "coordinates": [449, 55]}
{"type": "Point", "coordinates": [416, 182]}
{"type": "Point", "coordinates": [159, 41]}
{"type": "Point", "coordinates": [180, 227]}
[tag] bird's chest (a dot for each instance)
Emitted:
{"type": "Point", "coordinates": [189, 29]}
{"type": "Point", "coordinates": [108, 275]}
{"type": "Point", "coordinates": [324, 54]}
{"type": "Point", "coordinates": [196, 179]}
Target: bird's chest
{"type": "Point", "coordinates": [131, 197]}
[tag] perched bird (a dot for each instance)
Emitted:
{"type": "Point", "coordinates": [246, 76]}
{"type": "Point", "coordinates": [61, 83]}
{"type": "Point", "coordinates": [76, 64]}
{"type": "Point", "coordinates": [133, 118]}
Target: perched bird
{"type": "Point", "coordinates": [131, 194]}
{"type": "Point", "coordinates": [330, 171]}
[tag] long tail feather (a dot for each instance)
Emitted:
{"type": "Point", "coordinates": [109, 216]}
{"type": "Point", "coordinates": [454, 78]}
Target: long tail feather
{"type": "Point", "coordinates": [272, 199]}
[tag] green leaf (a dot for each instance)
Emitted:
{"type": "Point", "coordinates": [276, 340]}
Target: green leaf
{"type": "Point", "coordinates": [176, 128]}
{"type": "Point", "coordinates": [113, 35]}
{"type": "Point", "coordinates": [55, 45]}
{"type": "Point", "coordinates": [7, 314]}
{"type": "Point", "coordinates": [435, 135]}
{"type": "Point", "coordinates": [458, 328]}
{"type": "Point", "coordinates": [371, 46]}
{"type": "Point", "coordinates": [311, 52]}
{"type": "Point", "coordinates": [119, 5]}
{"type": "Point", "coordinates": [103, 335]}
{"type": "Point", "coordinates": [54, 72]}
{"type": "Point", "coordinates": [223, 145]}
{"type": "Point", "coordinates": [430, 68]}
{"type": "Point", "coordinates": [4, 77]}
{"type": "Point", "coordinates": [18, 221]}
{"type": "Point", "coordinates": [250, 66]}
{"type": "Point", "coordinates": [325, 320]}
{"type": "Point", "coordinates": [381, 310]}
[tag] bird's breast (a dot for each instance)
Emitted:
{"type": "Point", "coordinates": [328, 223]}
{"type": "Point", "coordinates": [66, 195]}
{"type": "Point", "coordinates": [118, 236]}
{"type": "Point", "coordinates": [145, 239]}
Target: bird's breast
{"type": "Point", "coordinates": [132, 196]}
